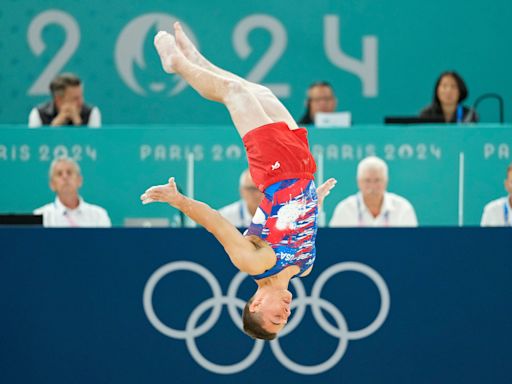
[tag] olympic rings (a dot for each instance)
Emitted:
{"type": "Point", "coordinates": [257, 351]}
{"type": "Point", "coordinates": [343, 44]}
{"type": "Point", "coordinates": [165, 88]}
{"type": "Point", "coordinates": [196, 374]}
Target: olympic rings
{"type": "Point", "coordinates": [300, 303]}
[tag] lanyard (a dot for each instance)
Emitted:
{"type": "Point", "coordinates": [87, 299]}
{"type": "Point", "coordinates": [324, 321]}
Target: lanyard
{"type": "Point", "coordinates": [360, 215]}
{"type": "Point", "coordinates": [67, 216]}
{"type": "Point", "coordinates": [506, 214]}
{"type": "Point", "coordinates": [72, 223]}
{"type": "Point", "coordinates": [460, 113]}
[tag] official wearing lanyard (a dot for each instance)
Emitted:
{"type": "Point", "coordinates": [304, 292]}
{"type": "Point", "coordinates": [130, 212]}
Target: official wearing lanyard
{"type": "Point", "coordinates": [66, 213]}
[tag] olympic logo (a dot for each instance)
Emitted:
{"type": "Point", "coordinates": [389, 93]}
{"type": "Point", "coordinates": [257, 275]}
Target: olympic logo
{"type": "Point", "coordinates": [193, 330]}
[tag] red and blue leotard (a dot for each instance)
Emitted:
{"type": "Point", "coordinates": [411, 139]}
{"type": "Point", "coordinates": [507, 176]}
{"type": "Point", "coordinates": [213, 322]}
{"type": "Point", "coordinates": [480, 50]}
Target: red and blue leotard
{"type": "Point", "coordinates": [282, 166]}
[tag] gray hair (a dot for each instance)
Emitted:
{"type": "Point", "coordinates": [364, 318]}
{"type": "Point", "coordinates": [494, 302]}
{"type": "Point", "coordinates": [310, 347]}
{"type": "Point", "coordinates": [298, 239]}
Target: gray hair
{"type": "Point", "coordinates": [242, 177]}
{"type": "Point", "coordinates": [373, 163]}
{"type": "Point", "coordinates": [61, 159]}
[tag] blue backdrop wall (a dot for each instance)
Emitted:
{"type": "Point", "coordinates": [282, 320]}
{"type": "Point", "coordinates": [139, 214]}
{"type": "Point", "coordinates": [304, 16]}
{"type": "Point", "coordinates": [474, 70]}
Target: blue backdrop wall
{"type": "Point", "coordinates": [131, 306]}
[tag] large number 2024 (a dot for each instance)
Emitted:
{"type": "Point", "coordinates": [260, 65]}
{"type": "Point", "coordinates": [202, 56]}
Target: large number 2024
{"type": "Point", "coordinates": [366, 68]}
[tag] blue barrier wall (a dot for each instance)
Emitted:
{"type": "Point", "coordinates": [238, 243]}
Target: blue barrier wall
{"type": "Point", "coordinates": [72, 309]}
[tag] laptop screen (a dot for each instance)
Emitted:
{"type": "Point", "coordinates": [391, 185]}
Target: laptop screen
{"type": "Point", "coordinates": [412, 120]}
{"type": "Point", "coordinates": [21, 219]}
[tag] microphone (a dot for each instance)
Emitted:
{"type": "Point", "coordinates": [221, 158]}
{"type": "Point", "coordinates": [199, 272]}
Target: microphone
{"type": "Point", "coordinates": [479, 99]}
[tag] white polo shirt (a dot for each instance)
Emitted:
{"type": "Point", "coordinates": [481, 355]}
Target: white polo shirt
{"type": "Point", "coordinates": [497, 213]}
{"type": "Point", "coordinates": [352, 212]}
{"type": "Point", "coordinates": [237, 214]}
{"type": "Point", "coordinates": [57, 214]}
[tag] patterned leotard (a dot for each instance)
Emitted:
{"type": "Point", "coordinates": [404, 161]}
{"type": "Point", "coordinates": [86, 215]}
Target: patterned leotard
{"type": "Point", "coordinates": [287, 220]}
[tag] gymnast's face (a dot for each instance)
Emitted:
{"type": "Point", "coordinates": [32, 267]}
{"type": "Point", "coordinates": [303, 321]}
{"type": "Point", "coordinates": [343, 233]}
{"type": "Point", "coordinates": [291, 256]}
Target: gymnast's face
{"type": "Point", "coordinates": [274, 309]}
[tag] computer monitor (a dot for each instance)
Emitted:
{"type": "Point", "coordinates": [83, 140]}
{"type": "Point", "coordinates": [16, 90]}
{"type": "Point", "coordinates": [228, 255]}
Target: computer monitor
{"type": "Point", "coordinates": [20, 219]}
{"type": "Point", "coordinates": [333, 120]}
{"type": "Point", "coordinates": [412, 120]}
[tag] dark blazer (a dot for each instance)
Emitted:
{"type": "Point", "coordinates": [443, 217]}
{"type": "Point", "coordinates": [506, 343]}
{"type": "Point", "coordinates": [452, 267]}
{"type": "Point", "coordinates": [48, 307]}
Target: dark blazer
{"type": "Point", "coordinates": [435, 112]}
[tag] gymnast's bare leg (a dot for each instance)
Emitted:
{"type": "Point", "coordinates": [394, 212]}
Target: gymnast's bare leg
{"type": "Point", "coordinates": [250, 105]}
{"type": "Point", "coordinates": [244, 108]}
{"type": "Point", "coordinates": [269, 102]}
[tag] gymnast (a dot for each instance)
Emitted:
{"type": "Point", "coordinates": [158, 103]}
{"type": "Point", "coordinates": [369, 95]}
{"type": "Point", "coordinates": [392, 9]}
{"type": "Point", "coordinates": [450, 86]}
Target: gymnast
{"type": "Point", "coordinates": [280, 242]}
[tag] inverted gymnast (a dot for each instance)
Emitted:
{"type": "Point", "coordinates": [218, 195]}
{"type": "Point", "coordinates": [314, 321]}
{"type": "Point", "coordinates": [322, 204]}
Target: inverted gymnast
{"type": "Point", "coordinates": [280, 242]}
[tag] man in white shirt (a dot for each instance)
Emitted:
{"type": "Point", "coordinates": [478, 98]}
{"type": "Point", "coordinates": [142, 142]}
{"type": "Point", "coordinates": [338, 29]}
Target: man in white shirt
{"type": "Point", "coordinates": [498, 213]}
{"type": "Point", "coordinates": [67, 106]}
{"type": "Point", "coordinates": [240, 212]}
{"type": "Point", "coordinates": [69, 209]}
{"type": "Point", "coordinates": [373, 206]}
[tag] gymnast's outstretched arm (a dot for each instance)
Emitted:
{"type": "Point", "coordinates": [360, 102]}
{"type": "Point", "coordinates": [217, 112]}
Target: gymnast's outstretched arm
{"type": "Point", "coordinates": [243, 253]}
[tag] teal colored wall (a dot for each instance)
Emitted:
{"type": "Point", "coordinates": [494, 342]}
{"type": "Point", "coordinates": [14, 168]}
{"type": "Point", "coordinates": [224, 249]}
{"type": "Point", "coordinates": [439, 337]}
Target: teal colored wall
{"type": "Point", "coordinates": [110, 46]}
{"type": "Point", "coordinates": [119, 163]}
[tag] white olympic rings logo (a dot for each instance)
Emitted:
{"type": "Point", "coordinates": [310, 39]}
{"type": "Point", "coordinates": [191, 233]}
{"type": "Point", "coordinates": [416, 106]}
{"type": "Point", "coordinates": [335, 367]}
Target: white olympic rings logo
{"type": "Point", "coordinates": [192, 330]}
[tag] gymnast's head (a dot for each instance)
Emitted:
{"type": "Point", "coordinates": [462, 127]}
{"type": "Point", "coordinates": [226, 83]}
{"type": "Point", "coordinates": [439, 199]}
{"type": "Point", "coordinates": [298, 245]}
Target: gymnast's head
{"type": "Point", "coordinates": [267, 312]}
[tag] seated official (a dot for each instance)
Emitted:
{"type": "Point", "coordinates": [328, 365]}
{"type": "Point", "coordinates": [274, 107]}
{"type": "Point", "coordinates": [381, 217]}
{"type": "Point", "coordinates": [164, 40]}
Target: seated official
{"type": "Point", "coordinates": [320, 98]}
{"type": "Point", "coordinates": [449, 93]}
{"type": "Point", "coordinates": [69, 209]}
{"type": "Point", "coordinates": [67, 106]}
{"type": "Point", "coordinates": [498, 213]}
{"type": "Point", "coordinates": [373, 206]}
{"type": "Point", "coordinates": [241, 212]}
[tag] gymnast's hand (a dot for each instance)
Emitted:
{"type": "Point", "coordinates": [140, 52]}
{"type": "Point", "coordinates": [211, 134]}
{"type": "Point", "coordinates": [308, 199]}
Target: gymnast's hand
{"type": "Point", "coordinates": [323, 190]}
{"type": "Point", "coordinates": [167, 193]}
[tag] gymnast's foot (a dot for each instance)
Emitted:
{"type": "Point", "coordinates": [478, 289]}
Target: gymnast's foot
{"type": "Point", "coordinates": [187, 47]}
{"type": "Point", "coordinates": [169, 53]}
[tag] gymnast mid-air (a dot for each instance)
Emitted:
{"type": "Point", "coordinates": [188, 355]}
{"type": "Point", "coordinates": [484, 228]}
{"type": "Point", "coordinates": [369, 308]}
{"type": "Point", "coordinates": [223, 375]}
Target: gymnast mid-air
{"type": "Point", "coordinates": [280, 242]}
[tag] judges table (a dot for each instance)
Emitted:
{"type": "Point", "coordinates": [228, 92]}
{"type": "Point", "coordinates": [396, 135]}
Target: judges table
{"type": "Point", "coordinates": [421, 305]}
{"type": "Point", "coordinates": [448, 172]}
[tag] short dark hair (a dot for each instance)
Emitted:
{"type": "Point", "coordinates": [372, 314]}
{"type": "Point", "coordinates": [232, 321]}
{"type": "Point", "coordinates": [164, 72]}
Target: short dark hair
{"type": "Point", "coordinates": [62, 82]}
{"type": "Point", "coordinates": [461, 85]}
{"type": "Point", "coordinates": [252, 324]}
{"type": "Point", "coordinates": [321, 83]}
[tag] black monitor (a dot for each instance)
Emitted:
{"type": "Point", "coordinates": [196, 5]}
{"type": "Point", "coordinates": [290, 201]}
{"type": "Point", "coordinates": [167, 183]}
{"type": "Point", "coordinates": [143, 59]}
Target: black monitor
{"type": "Point", "coordinates": [413, 120]}
{"type": "Point", "coordinates": [20, 219]}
